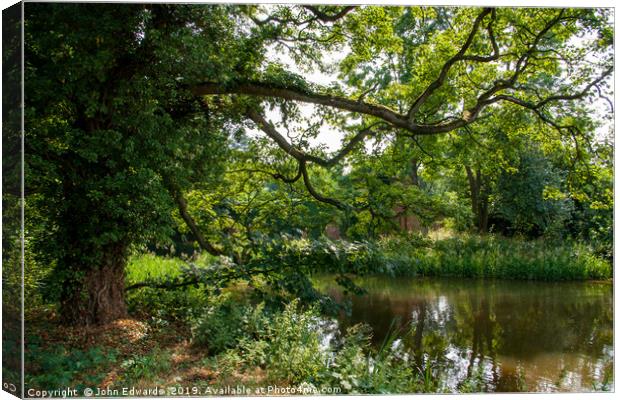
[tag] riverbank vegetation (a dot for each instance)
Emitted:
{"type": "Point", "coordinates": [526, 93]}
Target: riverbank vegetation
{"type": "Point", "coordinates": [234, 340]}
{"type": "Point", "coordinates": [242, 337]}
{"type": "Point", "coordinates": [232, 345]}
{"type": "Point", "coordinates": [192, 169]}
{"type": "Point", "coordinates": [463, 256]}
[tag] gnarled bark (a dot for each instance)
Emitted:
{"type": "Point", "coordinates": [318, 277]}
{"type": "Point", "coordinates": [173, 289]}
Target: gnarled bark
{"type": "Point", "coordinates": [96, 295]}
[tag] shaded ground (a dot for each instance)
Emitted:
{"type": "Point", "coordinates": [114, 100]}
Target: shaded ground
{"type": "Point", "coordinates": [133, 353]}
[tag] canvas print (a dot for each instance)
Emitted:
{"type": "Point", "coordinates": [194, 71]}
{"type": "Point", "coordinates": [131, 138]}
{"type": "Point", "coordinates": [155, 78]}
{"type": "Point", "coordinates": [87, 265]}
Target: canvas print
{"type": "Point", "coordinates": [306, 199]}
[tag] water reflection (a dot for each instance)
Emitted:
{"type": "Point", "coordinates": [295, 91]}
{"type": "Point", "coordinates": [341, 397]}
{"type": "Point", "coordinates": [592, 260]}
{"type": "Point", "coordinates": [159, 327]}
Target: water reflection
{"type": "Point", "coordinates": [494, 335]}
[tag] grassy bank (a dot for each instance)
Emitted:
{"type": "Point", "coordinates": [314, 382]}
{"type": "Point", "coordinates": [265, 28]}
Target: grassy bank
{"type": "Point", "coordinates": [461, 256]}
{"type": "Point", "coordinates": [492, 257]}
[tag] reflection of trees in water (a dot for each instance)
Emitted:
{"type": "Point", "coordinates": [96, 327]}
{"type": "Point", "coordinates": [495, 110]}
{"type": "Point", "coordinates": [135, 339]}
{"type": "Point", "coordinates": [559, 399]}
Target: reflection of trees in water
{"type": "Point", "coordinates": [484, 338]}
{"type": "Point", "coordinates": [488, 330]}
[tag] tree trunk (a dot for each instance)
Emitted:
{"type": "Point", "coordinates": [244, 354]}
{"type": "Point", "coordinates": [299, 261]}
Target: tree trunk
{"type": "Point", "coordinates": [479, 199]}
{"type": "Point", "coordinates": [415, 165]}
{"type": "Point", "coordinates": [483, 214]}
{"type": "Point", "coordinates": [96, 296]}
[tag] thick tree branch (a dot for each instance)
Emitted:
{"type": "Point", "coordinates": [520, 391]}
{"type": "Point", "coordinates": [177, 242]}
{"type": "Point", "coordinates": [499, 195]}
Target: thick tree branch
{"type": "Point", "coordinates": [386, 114]}
{"type": "Point", "coordinates": [314, 193]}
{"type": "Point", "coordinates": [202, 241]}
{"type": "Point", "coordinates": [460, 56]}
{"type": "Point", "coordinates": [324, 17]}
{"type": "Point", "coordinates": [299, 155]}
{"type": "Point", "coordinates": [262, 89]}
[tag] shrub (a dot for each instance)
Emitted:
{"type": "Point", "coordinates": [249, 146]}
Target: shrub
{"type": "Point", "coordinates": [350, 363]}
{"type": "Point", "coordinates": [225, 322]}
{"type": "Point", "coordinates": [295, 352]}
{"type": "Point", "coordinates": [287, 343]}
{"type": "Point", "coordinates": [146, 367]}
{"type": "Point", "coordinates": [57, 367]}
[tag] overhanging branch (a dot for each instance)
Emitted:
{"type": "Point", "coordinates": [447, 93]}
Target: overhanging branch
{"type": "Point", "coordinates": [298, 154]}
{"type": "Point", "coordinates": [460, 56]}
{"type": "Point", "coordinates": [324, 17]}
{"type": "Point", "coordinates": [204, 243]}
{"type": "Point", "coordinates": [262, 89]}
{"type": "Point", "coordinates": [393, 118]}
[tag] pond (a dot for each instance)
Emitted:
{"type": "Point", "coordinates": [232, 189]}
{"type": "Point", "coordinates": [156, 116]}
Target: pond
{"type": "Point", "coordinates": [505, 335]}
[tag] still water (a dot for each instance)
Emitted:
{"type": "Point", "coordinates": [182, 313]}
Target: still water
{"type": "Point", "coordinates": [506, 335]}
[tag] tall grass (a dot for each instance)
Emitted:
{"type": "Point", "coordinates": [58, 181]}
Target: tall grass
{"type": "Point", "coordinates": [149, 266]}
{"type": "Point", "coordinates": [493, 257]}
{"type": "Point", "coordinates": [464, 256]}
{"type": "Point", "coordinates": [162, 304]}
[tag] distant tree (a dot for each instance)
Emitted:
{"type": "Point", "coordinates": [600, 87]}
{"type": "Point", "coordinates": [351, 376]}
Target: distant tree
{"type": "Point", "coordinates": [531, 198]}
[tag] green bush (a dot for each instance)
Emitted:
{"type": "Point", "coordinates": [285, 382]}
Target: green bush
{"type": "Point", "coordinates": [295, 352]}
{"type": "Point", "coordinates": [350, 364]}
{"type": "Point", "coordinates": [288, 342]}
{"type": "Point", "coordinates": [359, 368]}
{"type": "Point", "coordinates": [290, 346]}
{"type": "Point", "coordinates": [56, 367]}
{"type": "Point", "coordinates": [146, 366]}
{"type": "Point", "coordinates": [225, 322]}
